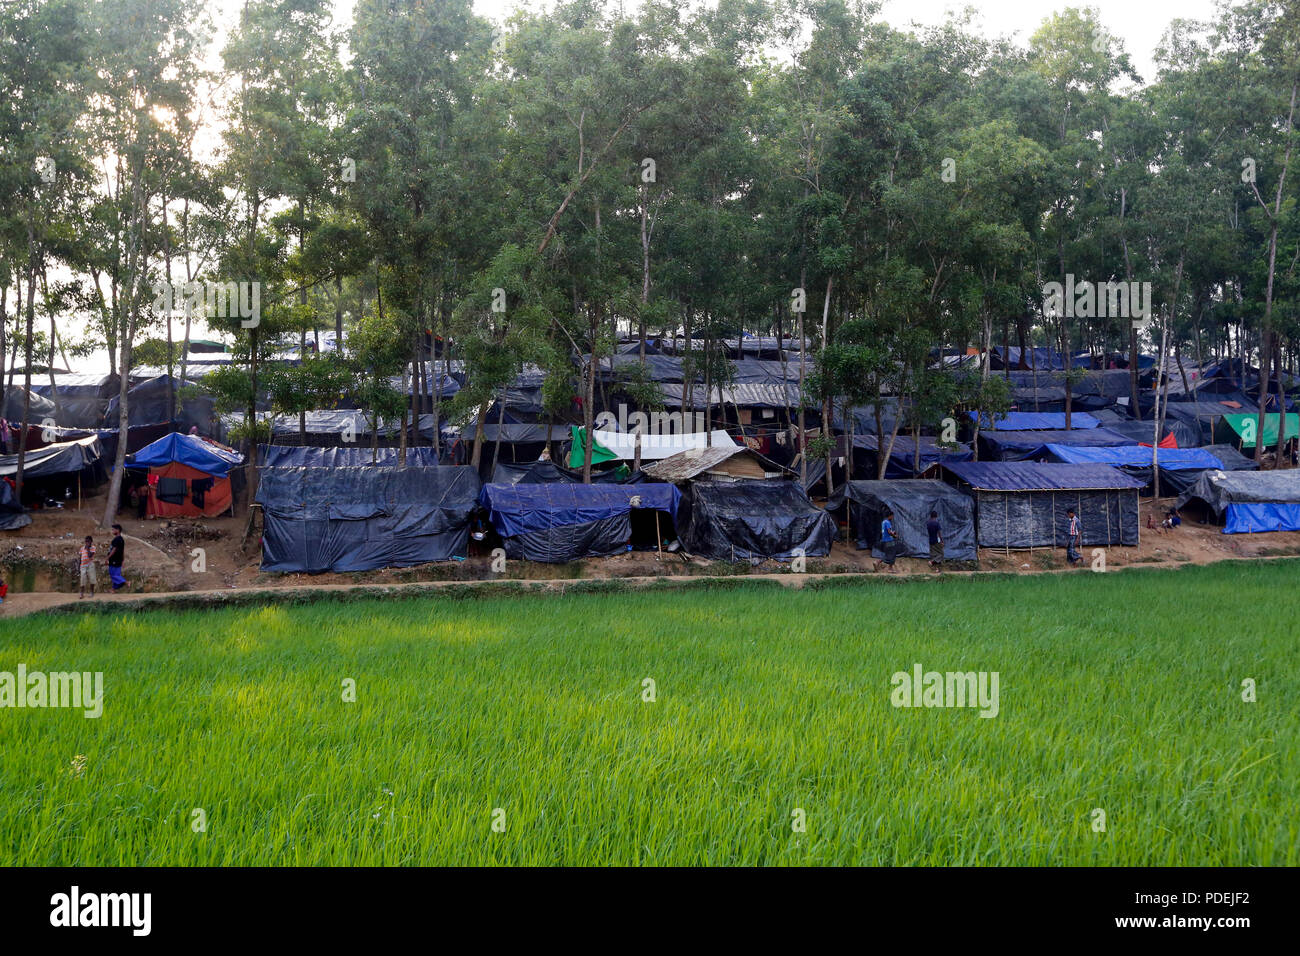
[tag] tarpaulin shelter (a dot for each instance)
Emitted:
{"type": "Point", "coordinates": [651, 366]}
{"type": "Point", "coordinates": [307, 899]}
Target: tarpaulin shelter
{"type": "Point", "coordinates": [903, 455]}
{"type": "Point", "coordinates": [735, 521]}
{"type": "Point", "coordinates": [1139, 431]}
{"type": "Point", "coordinates": [81, 456]}
{"type": "Point", "coordinates": [12, 514]}
{"type": "Point", "coordinates": [1201, 417]}
{"type": "Point", "coordinates": [1023, 504]}
{"type": "Point", "coordinates": [561, 522]}
{"type": "Point", "coordinates": [911, 502]}
{"type": "Point", "coordinates": [1030, 445]}
{"type": "Point", "coordinates": [148, 404]}
{"type": "Point", "coordinates": [1248, 501]}
{"type": "Point", "coordinates": [80, 398]}
{"type": "Point", "coordinates": [621, 446]}
{"type": "Point", "coordinates": [1241, 430]}
{"type": "Point", "coordinates": [189, 477]}
{"type": "Point", "coordinates": [548, 472]}
{"type": "Point", "coordinates": [309, 456]}
{"type": "Point", "coordinates": [356, 518]}
{"type": "Point", "coordinates": [1033, 421]}
{"type": "Point", "coordinates": [62, 470]}
{"type": "Point", "coordinates": [1179, 467]}
{"type": "Point", "coordinates": [39, 408]}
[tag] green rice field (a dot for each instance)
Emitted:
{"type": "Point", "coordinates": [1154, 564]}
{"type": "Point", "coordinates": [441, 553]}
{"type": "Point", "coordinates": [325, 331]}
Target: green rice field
{"type": "Point", "coordinates": [526, 730]}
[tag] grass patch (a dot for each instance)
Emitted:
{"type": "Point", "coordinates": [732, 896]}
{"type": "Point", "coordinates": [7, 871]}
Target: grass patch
{"type": "Point", "coordinates": [1119, 691]}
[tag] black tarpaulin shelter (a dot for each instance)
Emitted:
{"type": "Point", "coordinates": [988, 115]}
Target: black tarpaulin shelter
{"type": "Point", "coordinates": [1031, 445]}
{"type": "Point", "coordinates": [559, 522]}
{"type": "Point", "coordinates": [1021, 504]}
{"type": "Point", "coordinates": [148, 404]}
{"type": "Point", "coordinates": [731, 521]}
{"type": "Point", "coordinates": [357, 518]}
{"type": "Point", "coordinates": [80, 398]}
{"type": "Point", "coordinates": [912, 501]}
{"type": "Point", "coordinates": [1142, 431]}
{"type": "Point", "coordinates": [83, 455]}
{"type": "Point", "coordinates": [12, 515]}
{"type": "Point", "coordinates": [903, 455]}
{"type": "Point", "coordinates": [348, 456]}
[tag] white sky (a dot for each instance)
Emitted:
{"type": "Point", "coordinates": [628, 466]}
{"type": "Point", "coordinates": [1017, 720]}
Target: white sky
{"type": "Point", "coordinates": [1139, 24]}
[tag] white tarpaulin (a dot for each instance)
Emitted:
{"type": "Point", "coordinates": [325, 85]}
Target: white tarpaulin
{"type": "Point", "coordinates": [656, 447]}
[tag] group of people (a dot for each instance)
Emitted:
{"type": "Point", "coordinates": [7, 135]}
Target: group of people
{"type": "Point", "coordinates": [890, 545]}
{"type": "Point", "coordinates": [86, 562]}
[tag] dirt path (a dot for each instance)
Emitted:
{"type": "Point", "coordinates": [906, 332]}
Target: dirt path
{"type": "Point", "coordinates": [21, 605]}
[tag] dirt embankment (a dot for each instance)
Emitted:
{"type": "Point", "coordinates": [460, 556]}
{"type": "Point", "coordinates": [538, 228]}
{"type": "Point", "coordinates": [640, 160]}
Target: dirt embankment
{"type": "Point", "coordinates": [182, 556]}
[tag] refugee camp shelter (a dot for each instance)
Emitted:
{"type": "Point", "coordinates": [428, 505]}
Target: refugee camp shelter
{"type": "Point", "coordinates": [1241, 430]}
{"type": "Point", "coordinates": [359, 517]}
{"type": "Point", "coordinates": [1247, 501]}
{"type": "Point", "coordinates": [716, 463]}
{"type": "Point", "coordinates": [911, 502]}
{"type": "Point", "coordinates": [151, 402]}
{"type": "Point", "coordinates": [1030, 445]}
{"type": "Point", "coordinates": [189, 477]}
{"type": "Point", "coordinates": [735, 521]}
{"type": "Point", "coordinates": [1179, 467]}
{"type": "Point", "coordinates": [59, 471]}
{"type": "Point", "coordinates": [12, 515]}
{"type": "Point", "coordinates": [559, 522]}
{"type": "Point", "coordinates": [1021, 504]}
{"type": "Point", "coordinates": [311, 456]}
{"type": "Point", "coordinates": [904, 459]}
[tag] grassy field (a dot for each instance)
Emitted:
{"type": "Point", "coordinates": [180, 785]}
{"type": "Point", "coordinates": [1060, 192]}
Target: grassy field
{"type": "Point", "coordinates": [1119, 692]}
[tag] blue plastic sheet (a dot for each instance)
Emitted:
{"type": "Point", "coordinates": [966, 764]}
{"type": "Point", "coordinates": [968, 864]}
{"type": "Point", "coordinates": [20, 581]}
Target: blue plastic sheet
{"type": "Point", "coordinates": [518, 509]}
{"type": "Point", "coordinates": [188, 450]}
{"type": "Point", "coordinates": [1250, 518]}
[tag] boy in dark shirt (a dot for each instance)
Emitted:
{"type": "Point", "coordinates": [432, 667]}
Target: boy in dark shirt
{"type": "Point", "coordinates": [936, 539]}
{"type": "Point", "coordinates": [116, 549]}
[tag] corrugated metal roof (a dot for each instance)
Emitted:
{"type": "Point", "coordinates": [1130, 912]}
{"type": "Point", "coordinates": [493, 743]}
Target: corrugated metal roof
{"type": "Point", "coordinates": [685, 465]}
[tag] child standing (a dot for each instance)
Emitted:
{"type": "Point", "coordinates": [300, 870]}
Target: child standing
{"type": "Point", "coordinates": [86, 558]}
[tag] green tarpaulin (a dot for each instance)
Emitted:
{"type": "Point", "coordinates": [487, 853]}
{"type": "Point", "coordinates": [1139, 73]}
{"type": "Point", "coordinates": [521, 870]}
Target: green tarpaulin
{"type": "Point", "coordinates": [577, 450]}
{"type": "Point", "coordinates": [1242, 429]}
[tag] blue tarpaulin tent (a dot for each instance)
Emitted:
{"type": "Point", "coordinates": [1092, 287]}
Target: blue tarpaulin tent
{"type": "Point", "coordinates": [1123, 456]}
{"type": "Point", "coordinates": [561, 522]}
{"type": "Point", "coordinates": [1023, 504]}
{"type": "Point", "coordinates": [1179, 467]}
{"type": "Point", "coordinates": [189, 450]}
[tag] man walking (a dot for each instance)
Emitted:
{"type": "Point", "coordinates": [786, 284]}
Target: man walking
{"type": "Point", "coordinates": [933, 529]}
{"type": "Point", "coordinates": [86, 559]}
{"type": "Point", "coordinates": [1074, 539]}
{"type": "Point", "coordinates": [115, 553]}
{"type": "Point", "coordinates": [888, 542]}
